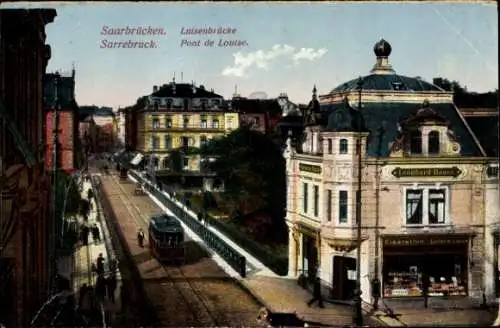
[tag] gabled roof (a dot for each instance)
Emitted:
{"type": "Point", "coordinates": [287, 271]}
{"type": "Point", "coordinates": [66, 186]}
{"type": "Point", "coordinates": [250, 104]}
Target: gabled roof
{"type": "Point", "coordinates": [387, 115]}
{"type": "Point", "coordinates": [183, 90]}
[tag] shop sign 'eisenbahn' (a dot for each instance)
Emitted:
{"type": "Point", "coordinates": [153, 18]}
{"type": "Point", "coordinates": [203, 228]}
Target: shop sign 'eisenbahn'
{"type": "Point", "coordinates": [399, 172]}
{"type": "Point", "coordinates": [424, 241]}
{"type": "Point", "coordinates": [310, 168]}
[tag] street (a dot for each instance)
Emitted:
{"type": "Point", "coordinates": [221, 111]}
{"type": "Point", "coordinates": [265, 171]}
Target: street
{"type": "Point", "coordinates": [198, 293]}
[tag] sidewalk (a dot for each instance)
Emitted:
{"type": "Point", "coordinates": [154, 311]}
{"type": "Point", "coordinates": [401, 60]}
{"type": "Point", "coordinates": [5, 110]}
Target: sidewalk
{"type": "Point", "coordinates": [85, 256]}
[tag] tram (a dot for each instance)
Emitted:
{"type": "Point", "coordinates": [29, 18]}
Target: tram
{"type": "Point", "coordinates": [166, 238]}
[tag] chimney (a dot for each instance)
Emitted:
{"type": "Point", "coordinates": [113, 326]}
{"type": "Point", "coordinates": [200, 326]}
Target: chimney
{"type": "Point", "coordinates": [155, 88]}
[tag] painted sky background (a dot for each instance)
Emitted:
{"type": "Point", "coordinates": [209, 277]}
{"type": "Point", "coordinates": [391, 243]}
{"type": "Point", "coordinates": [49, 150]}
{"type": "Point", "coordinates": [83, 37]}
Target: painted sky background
{"type": "Point", "coordinates": [457, 41]}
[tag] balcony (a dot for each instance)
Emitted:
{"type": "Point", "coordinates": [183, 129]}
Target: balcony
{"type": "Point", "coordinates": [187, 128]}
{"type": "Point", "coordinates": [342, 238]}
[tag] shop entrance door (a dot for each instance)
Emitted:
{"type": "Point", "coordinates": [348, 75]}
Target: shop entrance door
{"type": "Point", "coordinates": [343, 285]}
{"type": "Point", "coordinates": [312, 259]}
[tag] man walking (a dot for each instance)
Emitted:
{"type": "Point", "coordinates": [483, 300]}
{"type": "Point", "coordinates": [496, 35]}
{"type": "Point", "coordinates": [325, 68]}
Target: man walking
{"type": "Point", "coordinates": [140, 237]}
{"type": "Point", "coordinates": [317, 294]}
{"type": "Point", "coordinates": [100, 265]}
{"type": "Point", "coordinates": [111, 288]}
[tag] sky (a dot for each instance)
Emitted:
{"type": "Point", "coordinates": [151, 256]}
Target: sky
{"type": "Point", "coordinates": [284, 47]}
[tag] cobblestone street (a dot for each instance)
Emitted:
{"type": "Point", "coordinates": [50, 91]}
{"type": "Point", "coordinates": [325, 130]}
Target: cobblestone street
{"type": "Point", "coordinates": [199, 293]}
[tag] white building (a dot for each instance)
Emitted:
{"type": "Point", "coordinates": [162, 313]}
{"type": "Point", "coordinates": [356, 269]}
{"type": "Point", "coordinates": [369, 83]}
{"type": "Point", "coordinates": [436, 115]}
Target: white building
{"type": "Point", "coordinates": [120, 126]}
{"type": "Point", "coordinates": [424, 196]}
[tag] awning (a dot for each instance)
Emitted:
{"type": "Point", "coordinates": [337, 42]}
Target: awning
{"type": "Point", "coordinates": [137, 159]}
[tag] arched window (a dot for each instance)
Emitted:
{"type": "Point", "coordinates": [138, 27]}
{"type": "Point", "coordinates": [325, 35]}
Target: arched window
{"type": "Point", "coordinates": [330, 146]}
{"type": "Point", "coordinates": [433, 142]}
{"type": "Point", "coordinates": [343, 147]}
{"type": "Point", "coordinates": [415, 142]}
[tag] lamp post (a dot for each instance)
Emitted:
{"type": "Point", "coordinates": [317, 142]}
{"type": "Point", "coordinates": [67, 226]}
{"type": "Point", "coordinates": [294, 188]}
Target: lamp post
{"type": "Point", "coordinates": [358, 311]}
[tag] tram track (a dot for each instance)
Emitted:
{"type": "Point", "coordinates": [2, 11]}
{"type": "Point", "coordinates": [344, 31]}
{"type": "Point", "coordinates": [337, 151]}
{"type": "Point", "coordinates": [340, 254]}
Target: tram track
{"type": "Point", "coordinates": [198, 308]}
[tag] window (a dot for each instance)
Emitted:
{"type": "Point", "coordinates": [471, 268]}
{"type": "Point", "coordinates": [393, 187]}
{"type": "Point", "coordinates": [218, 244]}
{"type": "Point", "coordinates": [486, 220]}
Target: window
{"type": "Point", "coordinates": [186, 123]}
{"type": "Point", "coordinates": [433, 143]}
{"type": "Point", "coordinates": [330, 146]}
{"type": "Point", "coordinates": [343, 147]}
{"type": "Point", "coordinates": [342, 206]}
{"type": "Point", "coordinates": [185, 142]}
{"type": "Point", "coordinates": [256, 121]}
{"type": "Point", "coordinates": [168, 142]}
{"type": "Point", "coordinates": [415, 142]}
{"type": "Point", "coordinates": [316, 200]}
{"type": "Point", "coordinates": [426, 206]}
{"type": "Point", "coordinates": [230, 123]}
{"type": "Point", "coordinates": [204, 124]}
{"type": "Point", "coordinates": [156, 123]}
{"type": "Point", "coordinates": [168, 122]}
{"type": "Point", "coordinates": [203, 140]}
{"type": "Point", "coordinates": [185, 162]}
{"type": "Point", "coordinates": [329, 205]}
{"type": "Point", "coordinates": [436, 206]}
{"type": "Point", "coordinates": [215, 124]}
{"type": "Point", "coordinates": [155, 142]}
{"type": "Point", "coordinates": [414, 208]}
{"type": "Point", "coordinates": [305, 196]}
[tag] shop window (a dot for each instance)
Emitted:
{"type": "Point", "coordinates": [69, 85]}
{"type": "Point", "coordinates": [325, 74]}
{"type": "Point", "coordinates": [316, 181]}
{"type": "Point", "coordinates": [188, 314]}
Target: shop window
{"type": "Point", "coordinates": [316, 200]}
{"type": "Point", "coordinates": [330, 146]}
{"type": "Point", "coordinates": [343, 206]}
{"type": "Point", "coordinates": [305, 196]}
{"type": "Point", "coordinates": [415, 142]}
{"type": "Point", "coordinates": [329, 205]}
{"type": "Point", "coordinates": [414, 207]}
{"type": "Point", "coordinates": [343, 146]}
{"type": "Point", "coordinates": [433, 142]}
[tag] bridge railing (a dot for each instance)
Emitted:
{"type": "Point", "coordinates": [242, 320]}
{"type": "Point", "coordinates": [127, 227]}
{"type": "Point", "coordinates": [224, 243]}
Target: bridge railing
{"type": "Point", "coordinates": [231, 256]}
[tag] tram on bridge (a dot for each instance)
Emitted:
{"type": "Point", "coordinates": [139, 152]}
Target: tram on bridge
{"type": "Point", "coordinates": [166, 239]}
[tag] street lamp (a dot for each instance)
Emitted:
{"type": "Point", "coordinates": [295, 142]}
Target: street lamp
{"type": "Point", "coordinates": [358, 311]}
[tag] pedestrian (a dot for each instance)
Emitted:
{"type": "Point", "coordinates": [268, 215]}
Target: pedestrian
{"type": "Point", "coordinates": [113, 265]}
{"type": "Point", "coordinates": [100, 287]}
{"type": "Point", "coordinates": [95, 233]}
{"type": "Point", "coordinates": [100, 265]}
{"type": "Point", "coordinates": [317, 294]}
{"type": "Point", "coordinates": [85, 235]}
{"type": "Point", "coordinates": [90, 194]}
{"type": "Point", "coordinates": [111, 287]}
{"type": "Point", "coordinates": [425, 289]}
{"type": "Point", "coordinates": [140, 237]}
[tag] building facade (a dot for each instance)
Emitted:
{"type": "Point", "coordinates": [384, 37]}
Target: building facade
{"type": "Point", "coordinates": [120, 127]}
{"type": "Point", "coordinates": [67, 121]}
{"type": "Point", "coordinates": [259, 114]}
{"type": "Point", "coordinates": [179, 116]}
{"type": "Point", "coordinates": [421, 189]}
{"type": "Point", "coordinates": [25, 218]}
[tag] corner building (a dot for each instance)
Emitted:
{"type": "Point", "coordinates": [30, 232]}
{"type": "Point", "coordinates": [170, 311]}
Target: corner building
{"type": "Point", "coordinates": [423, 182]}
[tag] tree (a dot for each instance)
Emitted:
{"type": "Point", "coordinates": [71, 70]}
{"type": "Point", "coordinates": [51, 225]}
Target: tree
{"type": "Point", "coordinates": [175, 161]}
{"type": "Point", "coordinates": [253, 171]}
{"type": "Point", "coordinates": [465, 99]}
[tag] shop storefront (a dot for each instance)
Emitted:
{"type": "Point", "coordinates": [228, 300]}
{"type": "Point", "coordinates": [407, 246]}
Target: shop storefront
{"type": "Point", "coordinates": [406, 259]}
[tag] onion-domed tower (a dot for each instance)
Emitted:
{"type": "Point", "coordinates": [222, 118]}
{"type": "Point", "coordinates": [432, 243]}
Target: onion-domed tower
{"type": "Point", "coordinates": [382, 50]}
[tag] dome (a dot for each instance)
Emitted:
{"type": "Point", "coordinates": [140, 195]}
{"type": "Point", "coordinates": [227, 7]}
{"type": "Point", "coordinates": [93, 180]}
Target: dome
{"type": "Point", "coordinates": [382, 48]}
{"type": "Point", "coordinates": [388, 82]}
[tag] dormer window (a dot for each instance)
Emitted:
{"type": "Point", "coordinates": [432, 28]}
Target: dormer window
{"type": "Point", "coordinates": [415, 142]}
{"type": "Point", "coordinates": [433, 142]}
{"type": "Point", "coordinates": [330, 146]}
{"type": "Point", "coordinates": [343, 147]}
{"type": "Point", "coordinates": [396, 85]}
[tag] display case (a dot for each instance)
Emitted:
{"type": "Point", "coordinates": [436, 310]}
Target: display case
{"type": "Point", "coordinates": [398, 284]}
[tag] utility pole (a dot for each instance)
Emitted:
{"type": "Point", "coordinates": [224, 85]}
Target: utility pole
{"type": "Point", "coordinates": [55, 160]}
{"type": "Point", "coordinates": [358, 310]}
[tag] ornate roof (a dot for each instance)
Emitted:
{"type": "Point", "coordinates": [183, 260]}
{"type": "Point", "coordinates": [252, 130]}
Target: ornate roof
{"type": "Point", "coordinates": [345, 119]}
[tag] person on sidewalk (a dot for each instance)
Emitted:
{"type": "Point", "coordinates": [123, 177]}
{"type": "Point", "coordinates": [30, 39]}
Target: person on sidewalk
{"type": "Point", "coordinates": [100, 287]}
{"type": "Point", "coordinates": [425, 289]}
{"type": "Point", "coordinates": [100, 265]}
{"type": "Point", "coordinates": [95, 233]}
{"type": "Point", "coordinates": [85, 235]}
{"type": "Point", "coordinates": [111, 287]}
{"type": "Point", "coordinates": [140, 237]}
{"type": "Point", "coordinates": [317, 294]}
